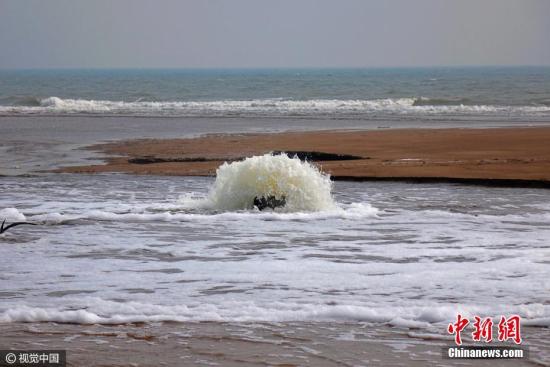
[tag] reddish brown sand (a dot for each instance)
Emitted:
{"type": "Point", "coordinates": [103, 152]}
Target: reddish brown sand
{"type": "Point", "coordinates": [478, 154]}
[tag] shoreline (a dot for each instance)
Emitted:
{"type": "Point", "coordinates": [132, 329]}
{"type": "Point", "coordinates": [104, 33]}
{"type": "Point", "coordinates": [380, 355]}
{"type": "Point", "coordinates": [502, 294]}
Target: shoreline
{"type": "Point", "coordinates": [511, 157]}
{"type": "Point", "coordinates": [254, 343]}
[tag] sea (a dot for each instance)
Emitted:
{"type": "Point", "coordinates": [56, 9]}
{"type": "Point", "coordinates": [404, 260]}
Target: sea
{"type": "Point", "coordinates": [490, 92]}
{"type": "Point", "coordinates": [116, 248]}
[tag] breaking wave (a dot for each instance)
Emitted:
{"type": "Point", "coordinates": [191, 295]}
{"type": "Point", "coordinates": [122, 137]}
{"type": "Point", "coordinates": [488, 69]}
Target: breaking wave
{"type": "Point", "coordinates": [268, 107]}
{"type": "Point", "coordinates": [94, 310]}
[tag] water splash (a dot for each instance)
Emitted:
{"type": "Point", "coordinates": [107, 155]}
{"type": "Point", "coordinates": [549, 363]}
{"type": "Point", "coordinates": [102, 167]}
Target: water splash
{"type": "Point", "coordinates": [304, 187]}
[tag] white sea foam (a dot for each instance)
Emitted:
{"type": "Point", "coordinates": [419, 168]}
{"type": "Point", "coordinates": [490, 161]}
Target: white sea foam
{"type": "Point", "coordinates": [99, 311]}
{"type": "Point", "coordinates": [269, 107]}
{"type": "Point", "coordinates": [11, 215]}
{"type": "Point", "coordinates": [152, 215]}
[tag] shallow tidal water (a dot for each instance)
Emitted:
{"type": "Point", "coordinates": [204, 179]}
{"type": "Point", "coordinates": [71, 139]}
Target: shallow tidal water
{"type": "Point", "coordinates": [119, 248]}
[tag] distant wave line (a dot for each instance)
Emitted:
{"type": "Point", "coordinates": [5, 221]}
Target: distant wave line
{"type": "Point", "coordinates": [273, 106]}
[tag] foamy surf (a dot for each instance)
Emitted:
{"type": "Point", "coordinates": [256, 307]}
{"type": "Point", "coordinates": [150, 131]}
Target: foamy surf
{"type": "Point", "coordinates": [178, 213]}
{"type": "Point", "coordinates": [11, 215]}
{"type": "Point", "coordinates": [120, 249]}
{"type": "Point", "coordinates": [93, 310]}
{"type": "Point", "coordinates": [272, 107]}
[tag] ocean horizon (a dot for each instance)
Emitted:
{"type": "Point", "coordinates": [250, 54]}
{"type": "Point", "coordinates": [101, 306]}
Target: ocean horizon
{"type": "Point", "coordinates": [359, 93]}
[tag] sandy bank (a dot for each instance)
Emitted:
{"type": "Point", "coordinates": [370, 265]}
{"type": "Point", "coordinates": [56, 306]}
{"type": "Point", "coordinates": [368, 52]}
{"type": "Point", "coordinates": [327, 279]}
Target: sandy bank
{"type": "Point", "coordinates": [508, 155]}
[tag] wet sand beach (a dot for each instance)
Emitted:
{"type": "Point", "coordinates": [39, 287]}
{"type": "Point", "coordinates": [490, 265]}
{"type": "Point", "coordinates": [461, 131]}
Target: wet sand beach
{"type": "Point", "coordinates": [252, 344]}
{"type": "Point", "coordinates": [508, 156]}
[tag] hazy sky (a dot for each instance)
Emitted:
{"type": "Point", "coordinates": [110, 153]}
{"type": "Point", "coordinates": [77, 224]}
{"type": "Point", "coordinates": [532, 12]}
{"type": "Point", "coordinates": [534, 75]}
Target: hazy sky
{"type": "Point", "coordinates": [272, 33]}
